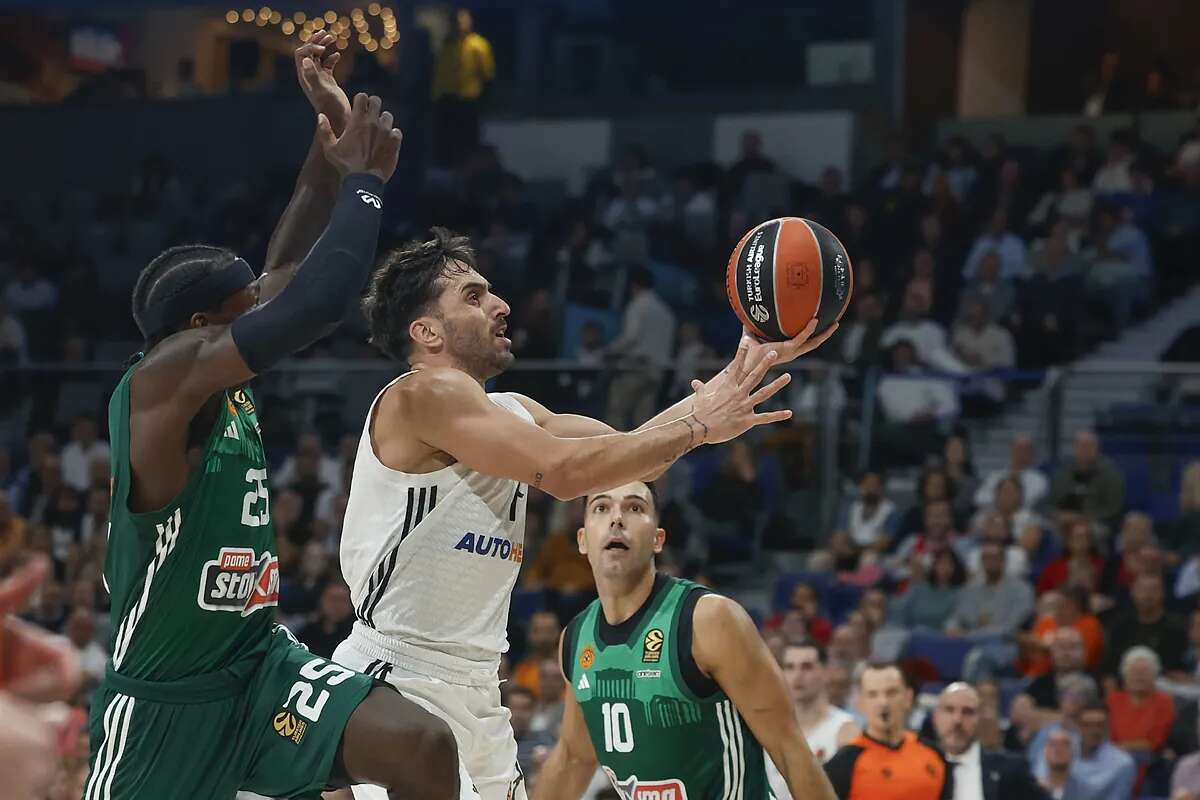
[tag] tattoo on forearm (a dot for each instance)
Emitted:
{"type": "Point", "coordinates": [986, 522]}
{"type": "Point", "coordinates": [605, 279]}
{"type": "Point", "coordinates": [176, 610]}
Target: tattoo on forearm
{"type": "Point", "coordinates": [694, 425]}
{"type": "Point", "coordinates": [537, 481]}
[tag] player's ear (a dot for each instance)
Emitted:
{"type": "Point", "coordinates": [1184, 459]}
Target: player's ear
{"type": "Point", "coordinates": [425, 331]}
{"type": "Point", "coordinates": [581, 540]}
{"type": "Point", "coordinates": [660, 539]}
{"type": "Point", "coordinates": [198, 320]}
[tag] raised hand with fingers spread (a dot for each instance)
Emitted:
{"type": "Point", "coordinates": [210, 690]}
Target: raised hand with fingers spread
{"type": "Point", "coordinates": [725, 407]}
{"type": "Point", "coordinates": [368, 144]}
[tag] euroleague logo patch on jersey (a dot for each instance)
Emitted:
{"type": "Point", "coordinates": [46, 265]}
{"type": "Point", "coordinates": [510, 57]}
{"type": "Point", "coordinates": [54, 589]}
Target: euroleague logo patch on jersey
{"type": "Point", "coordinates": [652, 646]}
{"type": "Point", "coordinates": [287, 726]}
{"type": "Point", "coordinates": [633, 789]}
{"type": "Point", "coordinates": [491, 547]}
{"type": "Point", "coordinates": [243, 400]}
{"type": "Point", "coordinates": [239, 580]}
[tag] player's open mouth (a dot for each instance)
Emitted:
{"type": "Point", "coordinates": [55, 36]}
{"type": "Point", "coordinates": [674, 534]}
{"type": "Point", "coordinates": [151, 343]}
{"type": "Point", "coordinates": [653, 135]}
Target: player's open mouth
{"type": "Point", "coordinates": [499, 333]}
{"type": "Point", "coordinates": [616, 544]}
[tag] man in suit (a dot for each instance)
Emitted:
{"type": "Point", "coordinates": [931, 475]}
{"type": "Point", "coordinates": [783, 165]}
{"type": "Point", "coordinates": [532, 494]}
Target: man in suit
{"type": "Point", "coordinates": [978, 775]}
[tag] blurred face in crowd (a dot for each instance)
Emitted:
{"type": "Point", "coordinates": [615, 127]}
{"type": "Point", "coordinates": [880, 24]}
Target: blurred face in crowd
{"type": "Point", "coordinates": [543, 632]}
{"type": "Point", "coordinates": [989, 267]}
{"type": "Point", "coordinates": [837, 683]}
{"type": "Point", "coordinates": [1148, 594]}
{"type": "Point", "coordinates": [874, 606]}
{"type": "Point", "coordinates": [939, 522]}
{"type": "Point", "coordinates": [1058, 750]}
{"type": "Point", "coordinates": [804, 599]}
{"type": "Point", "coordinates": [991, 558]}
{"type": "Point", "coordinates": [776, 643]}
{"type": "Point", "coordinates": [1067, 651]}
{"type": "Point", "coordinates": [550, 679]}
{"type": "Point", "coordinates": [870, 488]}
{"type": "Point", "coordinates": [1009, 496]}
{"type": "Point", "coordinates": [1086, 449]}
{"type": "Point", "coordinates": [1079, 539]}
{"type": "Point", "coordinates": [620, 534]}
{"type": "Point", "coordinates": [794, 625]}
{"type": "Point", "coordinates": [51, 471]}
{"type": "Point", "coordinates": [956, 718]}
{"type": "Point", "coordinates": [1023, 455]}
{"type": "Point", "coordinates": [943, 568]}
{"type": "Point", "coordinates": [846, 645]}
{"type": "Point", "coordinates": [464, 20]}
{"type": "Point", "coordinates": [335, 603]}
{"type": "Point", "coordinates": [804, 673]}
{"type": "Point", "coordinates": [935, 486]}
{"type": "Point", "coordinates": [1137, 531]}
{"type": "Point", "coordinates": [1139, 676]}
{"type": "Point", "coordinates": [916, 300]}
{"type": "Point", "coordinates": [884, 699]}
{"type": "Point", "coordinates": [1093, 729]}
{"type": "Point", "coordinates": [521, 705]}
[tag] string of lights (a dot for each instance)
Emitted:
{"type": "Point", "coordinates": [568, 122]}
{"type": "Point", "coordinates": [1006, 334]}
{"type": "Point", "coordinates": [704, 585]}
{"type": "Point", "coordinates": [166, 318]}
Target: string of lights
{"type": "Point", "coordinates": [353, 28]}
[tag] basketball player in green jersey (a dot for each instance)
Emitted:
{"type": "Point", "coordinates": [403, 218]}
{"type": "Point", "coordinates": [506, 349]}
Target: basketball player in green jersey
{"type": "Point", "coordinates": [674, 692]}
{"type": "Point", "coordinates": [204, 694]}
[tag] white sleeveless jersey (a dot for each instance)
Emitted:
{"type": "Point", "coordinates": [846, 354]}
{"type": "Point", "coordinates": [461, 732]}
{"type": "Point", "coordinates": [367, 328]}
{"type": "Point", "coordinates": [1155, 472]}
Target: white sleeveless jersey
{"type": "Point", "coordinates": [431, 559]}
{"type": "Point", "coordinates": [823, 737]}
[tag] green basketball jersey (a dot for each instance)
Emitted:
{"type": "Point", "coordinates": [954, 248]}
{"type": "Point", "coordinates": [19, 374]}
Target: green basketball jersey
{"type": "Point", "coordinates": [655, 737]}
{"type": "Point", "coordinates": [193, 583]}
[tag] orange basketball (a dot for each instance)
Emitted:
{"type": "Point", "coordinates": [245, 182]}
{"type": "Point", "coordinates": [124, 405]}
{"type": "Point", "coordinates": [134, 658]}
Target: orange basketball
{"type": "Point", "coordinates": [783, 273]}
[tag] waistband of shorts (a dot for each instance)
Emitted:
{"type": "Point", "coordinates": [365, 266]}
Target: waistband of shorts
{"type": "Point", "coordinates": [204, 688]}
{"type": "Point", "coordinates": [422, 660]}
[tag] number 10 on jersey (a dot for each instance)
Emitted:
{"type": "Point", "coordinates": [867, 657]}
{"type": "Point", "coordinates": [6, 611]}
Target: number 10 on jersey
{"type": "Point", "coordinates": [618, 728]}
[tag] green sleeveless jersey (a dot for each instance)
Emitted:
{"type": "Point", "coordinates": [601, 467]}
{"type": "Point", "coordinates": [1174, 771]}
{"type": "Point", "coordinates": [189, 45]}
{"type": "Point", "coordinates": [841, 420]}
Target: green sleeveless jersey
{"type": "Point", "coordinates": [655, 736]}
{"type": "Point", "coordinates": [193, 584]}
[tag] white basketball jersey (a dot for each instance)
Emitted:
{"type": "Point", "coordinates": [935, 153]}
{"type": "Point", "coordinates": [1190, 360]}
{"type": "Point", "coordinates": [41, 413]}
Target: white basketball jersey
{"type": "Point", "coordinates": [823, 737]}
{"type": "Point", "coordinates": [431, 559]}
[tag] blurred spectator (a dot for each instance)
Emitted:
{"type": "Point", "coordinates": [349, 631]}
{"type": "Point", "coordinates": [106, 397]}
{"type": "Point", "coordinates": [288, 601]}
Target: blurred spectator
{"type": "Point", "coordinates": [541, 643]}
{"type": "Point", "coordinates": [1071, 202]}
{"type": "Point", "coordinates": [995, 528]}
{"type": "Point", "coordinates": [309, 451]}
{"type": "Point", "coordinates": [956, 461]}
{"type": "Point", "coordinates": [1182, 534]}
{"type": "Point", "coordinates": [560, 566]}
{"type": "Point", "coordinates": [871, 518]}
{"type": "Point", "coordinates": [983, 346]}
{"type": "Point", "coordinates": [1068, 656]}
{"type": "Point", "coordinates": [335, 618]}
{"type": "Point", "coordinates": [1114, 176]}
{"type": "Point", "coordinates": [300, 594]}
{"type": "Point", "coordinates": [1121, 271]}
{"type": "Point", "coordinates": [1089, 482]}
{"type": "Point", "coordinates": [813, 626]}
{"type": "Point", "coordinates": [1137, 533]}
{"type": "Point", "coordinates": [1068, 609]}
{"type": "Point", "coordinates": [1141, 715]}
{"type": "Point", "coordinates": [860, 337]}
{"type": "Point", "coordinates": [978, 774]}
{"type": "Point", "coordinates": [628, 216]}
{"type": "Point", "coordinates": [644, 347]}
{"type": "Point", "coordinates": [933, 486]}
{"type": "Point", "coordinates": [1058, 781]}
{"type": "Point", "coordinates": [1047, 316]}
{"type": "Point", "coordinates": [1022, 466]}
{"type": "Point", "coordinates": [750, 160]}
{"type": "Point", "coordinates": [1076, 691]}
{"type": "Point", "coordinates": [81, 631]}
{"type": "Point", "coordinates": [1107, 772]}
{"type": "Point", "coordinates": [1008, 501]}
{"type": "Point", "coordinates": [84, 448]}
{"type": "Point", "coordinates": [30, 292]}
{"type": "Point", "coordinates": [826, 726]}
{"type": "Point", "coordinates": [1000, 239]}
{"type": "Point", "coordinates": [955, 164]}
{"type": "Point", "coordinates": [1079, 565]}
{"type": "Point", "coordinates": [931, 600]}
{"type": "Point", "coordinates": [993, 603]}
{"type": "Point", "coordinates": [914, 405]}
{"type": "Point", "coordinates": [990, 288]}
{"type": "Point", "coordinates": [1078, 154]}
{"type": "Point", "coordinates": [927, 336]}
{"type": "Point", "coordinates": [549, 710]}
{"type": "Point", "coordinates": [1185, 779]}
{"type": "Point", "coordinates": [692, 351]}
{"type": "Point", "coordinates": [1148, 623]}
{"type": "Point", "coordinates": [464, 69]}
{"type": "Point", "coordinates": [14, 346]}
{"type": "Point", "coordinates": [520, 702]}
{"type": "Point", "coordinates": [12, 534]}
{"type": "Point", "coordinates": [919, 550]}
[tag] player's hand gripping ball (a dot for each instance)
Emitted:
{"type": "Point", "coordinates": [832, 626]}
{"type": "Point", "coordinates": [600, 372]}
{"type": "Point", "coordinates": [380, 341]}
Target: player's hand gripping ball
{"type": "Point", "coordinates": [785, 272]}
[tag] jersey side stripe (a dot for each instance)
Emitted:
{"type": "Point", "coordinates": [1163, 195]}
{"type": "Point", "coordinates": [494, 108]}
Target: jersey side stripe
{"type": "Point", "coordinates": [726, 754]}
{"type": "Point", "coordinates": [164, 545]}
{"type": "Point", "coordinates": [104, 754]}
{"type": "Point", "coordinates": [410, 522]}
{"type": "Point", "coordinates": [740, 753]}
{"type": "Point", "coordinates": [364, 611]}
{"type": "Point", "coordinates": [112, 770]}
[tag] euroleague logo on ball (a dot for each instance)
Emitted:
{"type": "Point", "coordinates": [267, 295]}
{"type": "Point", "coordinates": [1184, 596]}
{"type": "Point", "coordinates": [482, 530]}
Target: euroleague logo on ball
{"type": "Point", "coordinates": [759, 313]}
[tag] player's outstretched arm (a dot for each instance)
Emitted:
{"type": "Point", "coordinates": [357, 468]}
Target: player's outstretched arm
{"type": "Point", "coordinates": [577, 426]}
{"type": "Point", "coordinates": [728, 648]}
{"type": "Point", "coordinates": [452, 414]}
{"type": "Point", "coordinates": [569, 767]}
{"type": "Point", "coordinates": [312, 201]}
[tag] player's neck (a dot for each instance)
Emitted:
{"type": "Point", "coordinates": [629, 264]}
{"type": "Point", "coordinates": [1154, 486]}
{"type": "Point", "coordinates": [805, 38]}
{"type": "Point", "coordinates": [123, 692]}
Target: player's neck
{"type": "Point", "coordinates": [445, 362]}
{"type": "Point", "coordinates": [621, 598]}
{"type": "Point", "coordinates": [891, 736]}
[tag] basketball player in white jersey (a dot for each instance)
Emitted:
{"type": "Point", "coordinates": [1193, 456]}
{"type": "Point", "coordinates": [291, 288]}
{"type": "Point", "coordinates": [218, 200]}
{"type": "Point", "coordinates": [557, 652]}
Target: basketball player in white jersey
{"type": "Point", "coordinates": [825, 726]}
{"type": "Point", "coordinates": [434, 529]}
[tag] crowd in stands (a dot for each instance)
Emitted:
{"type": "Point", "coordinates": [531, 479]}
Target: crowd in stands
{"type": "Point", "coordinates": [1035, 580]}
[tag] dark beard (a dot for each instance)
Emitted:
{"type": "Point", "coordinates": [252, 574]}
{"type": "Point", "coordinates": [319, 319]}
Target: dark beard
{"type": "Point", "coordinates": [476, 355]}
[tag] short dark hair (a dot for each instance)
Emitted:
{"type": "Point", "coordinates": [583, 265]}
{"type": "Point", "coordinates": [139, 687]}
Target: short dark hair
{"type": "Point", "coordinates": [172, 271]}
{"type": "Point", "coordinates": [405, 285]}
{"type": "Point", "coordinates": [808, 644]}
{"type": "Point", "coordinates": [879, 666]}
{"type": "Point", "coordinates": [587, 498]}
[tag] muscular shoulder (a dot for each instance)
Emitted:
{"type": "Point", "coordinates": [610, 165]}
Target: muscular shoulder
{"type": "Point", "coordinates": [160, 374]}
{"type": "Point", "coordinates": [718, 622]}
{"type": "Point", "coordinates": [434, 390]}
